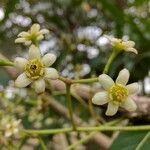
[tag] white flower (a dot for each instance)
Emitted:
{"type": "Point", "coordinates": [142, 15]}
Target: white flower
{"type": "Point", "coordinates": [12, 128]}
{"type": "Point", "coordinates": [36, 69]}
{"type": "Point", "coordinates": [32, 36]}
{"type": "Point", "coordinates": [116, 93]}
{"type": "Point", "coordinates": [120, 44]}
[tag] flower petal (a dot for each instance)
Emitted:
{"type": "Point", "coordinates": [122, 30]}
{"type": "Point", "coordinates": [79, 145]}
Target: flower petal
{"type": "Point", "coordinates": [129, 104]}
{"type": "Point", "coordinates": [20, 40]}
{"type": "Point", "coordinates": [22, 81]}
{"type": "Point", "coordinates": [132, 50]}
{"type": "Point", "coordinates": [112, 109]}
{"type": "Point", "coordinates": [28, 42]}
{"type": "Point", "coordinates": [130, 43]}
{"type": "Point", "coordinates": [48, 59]}
{"type": "Point", "coordinates": [123, 77]}
{"type": "Point", "coordinates": [51, 73]}
{"type": "Point", "coordinates": [133, 88]}
{"type": "Point", "coordinates": [40, 37]}
{"type": "Point", "coordinates": [44, 31]}
{"type": "Point", "coordinates": [34, 52]}
{"type": "Point", "coordinates": [100, 98]}
{"type": "Point", "coordinates": [24, 34]}
{"type": "Point", "coordinates": [105, 81]}
{"type": "Point", "coordinates": [39, 86]}
{"type": "Point", "coordinates": [35, 28]}
{"type": "Point", "coordinates": [20, 62]}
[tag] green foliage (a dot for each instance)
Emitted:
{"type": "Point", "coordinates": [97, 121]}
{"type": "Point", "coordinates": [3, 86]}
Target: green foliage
{"type": "Point", "coordinates": [131, 141]}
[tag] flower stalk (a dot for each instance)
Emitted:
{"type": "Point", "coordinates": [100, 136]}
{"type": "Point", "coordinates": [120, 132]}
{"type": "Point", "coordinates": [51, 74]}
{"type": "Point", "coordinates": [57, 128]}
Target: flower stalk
{"type": "Point", "coordinates": [68, 97]}
{"type": "Point", "coordinates": [110, 60]}
{"type": "Point", "coordinates": [88, 129]}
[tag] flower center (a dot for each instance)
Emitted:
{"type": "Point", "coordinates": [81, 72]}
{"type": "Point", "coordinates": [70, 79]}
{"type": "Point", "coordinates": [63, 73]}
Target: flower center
{"type": "Point", "coordinates": [119, 45]}
{"type": "Point", "coordinates": [34, 69]}
{"type": "Point", "coordinates": [118, 93]}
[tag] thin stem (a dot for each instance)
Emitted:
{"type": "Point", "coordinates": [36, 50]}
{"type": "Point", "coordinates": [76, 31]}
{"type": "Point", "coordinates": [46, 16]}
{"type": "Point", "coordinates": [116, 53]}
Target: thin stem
{"type": "Point", "coordinates": [43, 146]}
{"type": "Point", "coordinates": [90, 80]}
{"type": "Point", "coordinates": [88, 129]}
{"type": "Point", "coordinates": [110, 60]}
{"type": "Point", "coordinates": [68, 97]}
{"type": "Point", "coordinates": [140, 145]}
{"type": "Point", "coordinates": [83, 140]}
{"type": "Point", "coordinates": [6, 63]}
{"type": "Point", "coordinates": [89, 136]}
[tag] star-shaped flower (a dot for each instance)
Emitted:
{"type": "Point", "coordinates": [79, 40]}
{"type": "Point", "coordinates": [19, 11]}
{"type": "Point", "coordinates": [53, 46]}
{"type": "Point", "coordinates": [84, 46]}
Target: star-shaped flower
{"type": "Point", "coordinates": [32, 36]}
{"type": "Point", "coordinates": [120, 44]}
{"type": "Point", "coordinates": [36, 69]}
{"type": "Point", "coordinates": [116, 93]}
{"type": "Point", "coordinates": [12, 128]}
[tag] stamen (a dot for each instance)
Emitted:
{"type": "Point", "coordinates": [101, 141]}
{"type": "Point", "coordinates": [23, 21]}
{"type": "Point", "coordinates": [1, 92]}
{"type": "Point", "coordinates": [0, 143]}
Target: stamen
{"type": "Point", "coordinates": [118, 93]}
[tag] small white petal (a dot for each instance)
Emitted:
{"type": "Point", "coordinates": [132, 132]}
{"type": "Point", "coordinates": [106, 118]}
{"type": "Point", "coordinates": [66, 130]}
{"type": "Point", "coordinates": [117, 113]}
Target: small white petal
{"type": "Point", "coordinates": [112, 109]}
{"type": "Point", "coordinates": [20, 62]}
{"type": "Point", "coordinates": [133, 88]}
{"type": "Point", "coordinates": [22, 80]}
{"type": "Point", "coordinates": [35, 28]}
{"type": "Point", "coordinates": [27, 43]}
{"type": "Point", "coordinates": [100, 98]}
{"type": "Point", "coordinates": [15, 130]}
{"type": "Point", "coordinates": [130, 43]}
{"type": "Point", "coordinates": [106, 81]}
{"type": "Point", "coordinates": [39, 86]}
{"type": "Point", "coordinates": [132, 50]}
{"type": "Point", "coordinates": [129, 104]}
{"type": "Point", "coordinates": [20, 40]}
{"type": "Point", "coordinates": [24, 34]}
{"type": "Point", "coordinates": [8, 133]}
{"type": "Point", "coordinates": [44, 31]}
{"type": "Point", "coordinates": [123, 77]}
{"type": "Point", "coordinates": [51, 73]}
{"type": "Point", "coordinates": [48, 59]}
{"type": "Point", "coordinates": [40, 37]}
{"type": "Point", "coordinates": [34, 52]}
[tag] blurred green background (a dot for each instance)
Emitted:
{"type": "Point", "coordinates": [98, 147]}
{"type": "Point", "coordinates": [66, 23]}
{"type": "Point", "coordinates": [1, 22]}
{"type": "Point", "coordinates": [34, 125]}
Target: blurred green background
{"type": "Point", "coordinates": [77, 28]}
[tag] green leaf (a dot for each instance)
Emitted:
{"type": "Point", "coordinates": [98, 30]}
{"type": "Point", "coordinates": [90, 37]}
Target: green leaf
{"type": "Point", "coordinates": [132, 141]}
{"type": "Point", "coordinates": [5, 63]}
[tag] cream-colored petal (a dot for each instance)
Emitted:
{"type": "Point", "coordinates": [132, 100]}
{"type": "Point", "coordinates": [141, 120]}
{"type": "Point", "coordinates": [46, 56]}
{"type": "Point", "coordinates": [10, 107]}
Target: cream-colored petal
{"type": "Point", "coordinates": [40, 37]}
{"type": "Point", "coordinates": [22, 81]}
{"type": "Point", "coordinates": [132, 50]}
{"type": "Point", "coordinates": [44, 31]}
{"type": "Point", "coordinates": [24, 34]}
{"type": "Point", "coordinates": [20, 40]}
{"type": "Point", "coordinates": [130, 43]}
{"type": "Point", "coordinates": [35, 28]}
{"type": "Point", "coordinates": [112, 109]}
{"type": "Point", "coordinates": [39, 86]}
{"type": "Point", "coordinates": [100, 98]}
{"type": "Point", "coordinates": [51, 73]}
{"type": "Point", "coordinates": [133, 88]}
{"type": "Point", "coordinates": [20, 62]}
{"type": "Point", "coordinates": [8, 133]}
{"type": "Point", "coordinates": [48, 59]}
{"type": "Point", "coordinates": [123, 77]}
{"type": "Point", "coordinates": [27, 42]}
{"type": "Point", "coordinates": [106, 81]}
{"type": "Point", "coordinates": [129, 104]}
{"type": "Point", "coordinates": [34, 52]}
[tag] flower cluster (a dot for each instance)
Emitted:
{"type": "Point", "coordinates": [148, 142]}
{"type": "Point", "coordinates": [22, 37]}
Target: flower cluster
{"type": "Point", "coordinates": [119, 44]}
{"type": "Point", "coordinates": [116, 93]}
{"type": "Point", "coordinates": [32, 36]}
{"type": "Point", "coordinates": [36, 68]}
{"type": "Point", "coordinates": [10, 126]}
